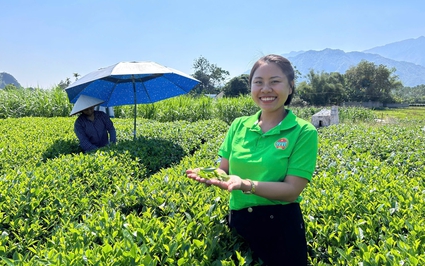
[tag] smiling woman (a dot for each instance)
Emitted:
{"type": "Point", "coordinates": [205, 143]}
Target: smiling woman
{"type": "Point", "coordinates": [269, 158]}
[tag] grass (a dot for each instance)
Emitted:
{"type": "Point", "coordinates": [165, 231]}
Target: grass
{"type": "Point", "coordinates": [411, 113]}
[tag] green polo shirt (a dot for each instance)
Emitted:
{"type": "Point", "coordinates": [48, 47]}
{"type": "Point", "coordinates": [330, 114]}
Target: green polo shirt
{"type": "Point", "coordinates": [290, 148]}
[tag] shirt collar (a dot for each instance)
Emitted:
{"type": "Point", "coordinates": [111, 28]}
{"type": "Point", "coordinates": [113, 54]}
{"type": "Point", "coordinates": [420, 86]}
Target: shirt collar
{"type": "Point", "coordinates": [288, 122]}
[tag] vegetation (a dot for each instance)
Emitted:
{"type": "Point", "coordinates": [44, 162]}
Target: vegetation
{"type": "Point", "coordinates": [410, 95]}
{"type": "Point", "coordinates": [20, 102]}
{"type": "Point", "coordinates": [237, 86]}
{"type": "Point", "coordinates": [362, 83]}
{"type": "Point", "coordinates": [210, 76]}
{"type": "Point", "coordinates": [131, 204]}
{"type": "Point", "coordinates": [323, 89]}
{"type": "Point", "coordinates": [369, 82]}
{"type": "Point", "coordinates": [367, 183]}
{"type": "Point", "coordinates": [411, 113]}
{"type": "Point", "coordinates": [16, 103]}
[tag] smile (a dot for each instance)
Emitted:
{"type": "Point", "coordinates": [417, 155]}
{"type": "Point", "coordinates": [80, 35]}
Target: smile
{"type": "Point", "coordinates": [267, 99]}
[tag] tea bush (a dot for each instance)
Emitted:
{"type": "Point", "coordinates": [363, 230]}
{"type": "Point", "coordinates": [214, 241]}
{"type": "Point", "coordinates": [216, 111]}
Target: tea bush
{"type": "Point", "coordinates": [131, 203]}
{"type": "Point", "coordinates": [364, 204]}
{"type": "Point", "coordinates": [74, 208]}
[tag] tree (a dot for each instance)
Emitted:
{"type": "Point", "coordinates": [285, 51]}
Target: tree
{"type": "Point", "coordinates": [76, 75]}
{"type": "Point", "coordinates": [237, 86]}
{"type": "Point", "coordinates": [409, 94]}
{"type": "Point", "coordinates": [63, 84]}
{"type": "Point", "coordinates": [369, 82]}
{"type": "Point", "coordinates": [306, 92]}
{"type": "Point", "coordinates": [10, 87]}
{"type": "Point", "coordinates": [210, 76]}
{"type": "Point", "coordinates": [337, 88]}
{"type": "Point", "coordinates": [323, 88]}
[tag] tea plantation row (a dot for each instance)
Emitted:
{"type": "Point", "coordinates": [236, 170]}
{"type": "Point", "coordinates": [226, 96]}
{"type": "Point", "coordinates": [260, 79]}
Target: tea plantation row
{"type": "Point", "coordinates": [131, 204]}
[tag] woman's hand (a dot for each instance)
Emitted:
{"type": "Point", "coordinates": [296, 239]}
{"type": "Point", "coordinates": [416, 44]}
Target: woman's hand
{"type": "Point", "coordinates": [194, 174]}
{"type": "Point", "coordinates": [233, 183]}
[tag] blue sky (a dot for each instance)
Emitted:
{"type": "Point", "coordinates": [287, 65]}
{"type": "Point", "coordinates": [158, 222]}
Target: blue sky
{"type": "Point", "coordinates": [43, 42]}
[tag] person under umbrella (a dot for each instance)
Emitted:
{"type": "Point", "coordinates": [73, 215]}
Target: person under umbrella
{"type": "Point", "coordinates": [94, 129]}
{"type": "Point", "coordinates": [132, 83]}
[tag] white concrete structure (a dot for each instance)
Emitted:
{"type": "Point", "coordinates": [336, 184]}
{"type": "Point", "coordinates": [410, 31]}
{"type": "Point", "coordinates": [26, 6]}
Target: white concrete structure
{"type": "Point", "coordinates": [326, 117]}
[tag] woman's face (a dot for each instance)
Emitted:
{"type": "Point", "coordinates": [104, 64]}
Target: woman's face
{"type": "Point", "coordinates": [270, 87]}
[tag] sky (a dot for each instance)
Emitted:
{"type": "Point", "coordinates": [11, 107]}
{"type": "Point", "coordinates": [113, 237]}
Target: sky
{"type": "Point", "coordinates": [46, 41]}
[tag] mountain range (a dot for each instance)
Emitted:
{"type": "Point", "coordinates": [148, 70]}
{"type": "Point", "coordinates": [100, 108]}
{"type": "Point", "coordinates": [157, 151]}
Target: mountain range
{"type": "Point", "coordinates": [407, 57]}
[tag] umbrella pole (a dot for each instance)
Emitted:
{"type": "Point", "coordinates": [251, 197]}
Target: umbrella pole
{"type": "Point", "coordinates": [135, 106]}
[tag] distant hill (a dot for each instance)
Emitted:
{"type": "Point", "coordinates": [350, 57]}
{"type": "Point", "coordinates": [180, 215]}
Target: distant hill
{"type": "Point", "coordinates": [411, 50]}
{"type": "Point", "coordinates": [6, 78]}
{"type": "Point", "coordinates": [407, 57]}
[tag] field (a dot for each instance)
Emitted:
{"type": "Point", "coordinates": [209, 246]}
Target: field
{"type": "Point", "coordinates": [413, 113]}
{"type": "Point", "coordinates": [131, 204]}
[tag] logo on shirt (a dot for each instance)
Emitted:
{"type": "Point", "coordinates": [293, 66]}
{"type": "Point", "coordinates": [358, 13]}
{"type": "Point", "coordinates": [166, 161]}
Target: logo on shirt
{"type": "Point", "coordinates": [281, 143]}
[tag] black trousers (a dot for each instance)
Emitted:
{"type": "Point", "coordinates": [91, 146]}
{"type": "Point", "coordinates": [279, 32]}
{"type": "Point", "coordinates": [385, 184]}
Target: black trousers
{"type": "Point", "coordinates": [276, 234]}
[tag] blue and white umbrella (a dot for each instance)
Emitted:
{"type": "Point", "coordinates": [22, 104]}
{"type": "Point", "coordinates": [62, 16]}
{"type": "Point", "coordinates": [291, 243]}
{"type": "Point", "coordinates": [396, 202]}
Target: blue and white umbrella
{"type": "Point", "coordinates": [132, 83]}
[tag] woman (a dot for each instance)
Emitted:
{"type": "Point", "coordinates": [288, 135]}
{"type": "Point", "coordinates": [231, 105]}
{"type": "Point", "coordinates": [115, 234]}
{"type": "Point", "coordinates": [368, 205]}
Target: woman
{"type": "Point", "coordinates": [270, 157]}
